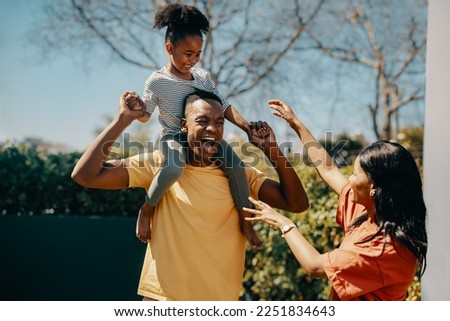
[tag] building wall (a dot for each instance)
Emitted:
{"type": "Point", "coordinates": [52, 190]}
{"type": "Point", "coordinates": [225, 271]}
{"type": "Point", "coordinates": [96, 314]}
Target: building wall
{"type": "Point", "coordinates": [436, 281]}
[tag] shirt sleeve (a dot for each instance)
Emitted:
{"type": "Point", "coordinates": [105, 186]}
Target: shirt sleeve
{"type": "Point", "coordinates": [347, 210]}
{"type": "Point", "coordinates": [343, 268]}
{"type": "Point", "coordinates": [150, 97]}
{"type": "Point", "coordinates": [142, 169]}
{"type": "Point", "coordinates": [255, 179]}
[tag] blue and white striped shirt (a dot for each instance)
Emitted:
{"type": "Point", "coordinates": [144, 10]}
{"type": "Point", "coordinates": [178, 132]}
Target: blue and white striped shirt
{"type": "Point", "coordinates": [167, 92]}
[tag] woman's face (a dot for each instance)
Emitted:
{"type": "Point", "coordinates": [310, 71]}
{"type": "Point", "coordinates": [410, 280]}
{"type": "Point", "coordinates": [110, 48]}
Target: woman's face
{"type": "Point", "coordinates": [361, 186]}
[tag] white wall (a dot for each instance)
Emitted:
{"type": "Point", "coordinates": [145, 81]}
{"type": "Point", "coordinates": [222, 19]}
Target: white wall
{"type": "Point", "coordinates": [436, 281]}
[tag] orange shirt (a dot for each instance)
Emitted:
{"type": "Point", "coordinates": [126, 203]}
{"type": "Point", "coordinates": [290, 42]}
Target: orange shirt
{"type": "Point", "coordinates": [364, 271]}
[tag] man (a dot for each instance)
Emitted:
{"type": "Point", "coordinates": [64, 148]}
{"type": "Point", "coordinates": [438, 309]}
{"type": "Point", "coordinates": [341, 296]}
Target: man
{"type": "Point", "coordinates": [197, 250]}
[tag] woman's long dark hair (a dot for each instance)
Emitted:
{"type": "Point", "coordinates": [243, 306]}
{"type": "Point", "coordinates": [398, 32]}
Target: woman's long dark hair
{"type": "Point", "coordinates": [400, 209]}
{"type": "Point", "coordinates": [181, 21]}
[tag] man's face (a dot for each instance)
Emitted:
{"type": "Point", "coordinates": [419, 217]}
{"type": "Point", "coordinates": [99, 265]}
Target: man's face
{"type": "Point", "coordinates": [204, 125]}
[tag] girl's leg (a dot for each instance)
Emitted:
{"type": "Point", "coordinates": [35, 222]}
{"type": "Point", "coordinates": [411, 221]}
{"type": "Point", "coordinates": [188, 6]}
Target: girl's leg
{"type": "Point", "coordinates": [234, 169]}
{"type": "Point", "coordinates": [171, 170]}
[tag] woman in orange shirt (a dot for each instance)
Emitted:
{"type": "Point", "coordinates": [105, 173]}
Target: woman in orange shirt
{"type": "Point", "coordinates": [382, 211]}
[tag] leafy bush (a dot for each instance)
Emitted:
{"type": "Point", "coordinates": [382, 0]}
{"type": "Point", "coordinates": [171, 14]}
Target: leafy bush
{"type": "Point", "coordinates": [35, 183]}
{"type": "Point", "coordinates": [273, 273]}
{"type": "Point", "coordinates": [39, 184]}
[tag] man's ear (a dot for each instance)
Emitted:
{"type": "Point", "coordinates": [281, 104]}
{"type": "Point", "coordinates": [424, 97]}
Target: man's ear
{"type": "Point", "coordinates": [183, 125]}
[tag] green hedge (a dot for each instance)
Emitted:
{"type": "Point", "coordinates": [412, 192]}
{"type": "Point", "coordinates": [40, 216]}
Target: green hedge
{"type": "Point", "coordinates": [35, 183]}
{"type": "Point", "coordinates": [38, 183]}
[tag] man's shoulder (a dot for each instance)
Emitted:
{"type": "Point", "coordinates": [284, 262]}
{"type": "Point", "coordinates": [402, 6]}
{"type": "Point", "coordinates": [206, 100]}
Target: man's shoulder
{"type": "Point", "coordinates": [145, 159]}
{"type": "Point", "coordinates": [253, 174]}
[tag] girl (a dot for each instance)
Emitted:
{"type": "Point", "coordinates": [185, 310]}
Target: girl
{"type": "Point", "coordinates": [167, 89]}
{"type": "Point", "coordinates": [382, 211]}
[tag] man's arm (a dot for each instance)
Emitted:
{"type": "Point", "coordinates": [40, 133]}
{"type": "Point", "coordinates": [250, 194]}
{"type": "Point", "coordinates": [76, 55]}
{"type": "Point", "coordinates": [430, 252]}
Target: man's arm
{"type": "Point", "coordinates": [287, 194]}
{"type": "Point", "coordinates": [92, 170]}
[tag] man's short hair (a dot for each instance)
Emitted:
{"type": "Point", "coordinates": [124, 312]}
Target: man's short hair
{"type": "Point", "coordinates": [201, 94]}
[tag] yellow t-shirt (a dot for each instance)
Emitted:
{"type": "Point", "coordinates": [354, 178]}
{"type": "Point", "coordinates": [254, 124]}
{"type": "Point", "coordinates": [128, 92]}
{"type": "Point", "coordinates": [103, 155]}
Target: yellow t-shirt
{"type": "Point", "coordinates": [197, 251]}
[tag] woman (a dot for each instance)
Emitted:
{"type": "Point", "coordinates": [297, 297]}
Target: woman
{"type": "Point", "coordinates": [382, 211]}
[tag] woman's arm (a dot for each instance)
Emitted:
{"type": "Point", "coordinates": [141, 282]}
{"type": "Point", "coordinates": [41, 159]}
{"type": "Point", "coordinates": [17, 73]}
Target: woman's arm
{"type": "Point", "coordinates": [317, 154]}
{"type": "Point", "coordinates": [308, 257]}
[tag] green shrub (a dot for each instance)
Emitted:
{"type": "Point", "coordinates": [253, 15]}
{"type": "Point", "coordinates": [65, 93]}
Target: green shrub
{"type": "Point", "coordinates": [36, 183]}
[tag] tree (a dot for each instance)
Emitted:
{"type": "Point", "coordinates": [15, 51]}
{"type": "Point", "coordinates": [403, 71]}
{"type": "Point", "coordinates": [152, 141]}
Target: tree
{"type": "Point", "coordinates": [246, 40]}
{"type": "Point", "coordinates": [386, 39]}
{"type": "Point", "coordinates": [254, 46]}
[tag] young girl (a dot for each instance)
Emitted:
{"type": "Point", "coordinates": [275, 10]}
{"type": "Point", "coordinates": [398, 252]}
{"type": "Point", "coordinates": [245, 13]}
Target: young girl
{"type": "Point", "coordinates": [382, 211]}
{"type": "Point", "coordinates": [167, 89]}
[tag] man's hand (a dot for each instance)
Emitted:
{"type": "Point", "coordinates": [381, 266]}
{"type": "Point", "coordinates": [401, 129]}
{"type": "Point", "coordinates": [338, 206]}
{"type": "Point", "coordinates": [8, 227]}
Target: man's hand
{"type": "Point", "coordinates": [125, 112]}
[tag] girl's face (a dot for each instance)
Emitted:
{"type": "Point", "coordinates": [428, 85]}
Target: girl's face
{"type": "Point", "coordinates": [361, 186]}
{"type": "Point", "coordinates": [184, 55]}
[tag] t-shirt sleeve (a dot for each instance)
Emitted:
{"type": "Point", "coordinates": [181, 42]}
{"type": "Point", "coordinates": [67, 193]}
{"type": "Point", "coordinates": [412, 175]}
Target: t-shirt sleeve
{"type": "Point", "coordinates": [255, 179]}
{"type": "Point", "coordinates": [149, 96]}
{"type": "Point", "coordinates": [347, 210]}
{"type": "Point", "coordinates": [142, 169]}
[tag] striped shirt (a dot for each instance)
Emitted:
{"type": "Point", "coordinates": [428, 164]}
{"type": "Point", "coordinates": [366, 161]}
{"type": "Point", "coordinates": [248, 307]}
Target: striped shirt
{"type": "Point", "coordinates": [167, 92]}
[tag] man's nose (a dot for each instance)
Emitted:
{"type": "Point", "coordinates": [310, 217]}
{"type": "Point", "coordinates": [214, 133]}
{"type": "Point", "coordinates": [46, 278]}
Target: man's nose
{"type": "Point", "coordinates": [211, 127]}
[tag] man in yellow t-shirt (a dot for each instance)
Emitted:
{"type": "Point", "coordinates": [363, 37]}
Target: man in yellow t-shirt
{"type": "Point", "coordinates": [197, 249]}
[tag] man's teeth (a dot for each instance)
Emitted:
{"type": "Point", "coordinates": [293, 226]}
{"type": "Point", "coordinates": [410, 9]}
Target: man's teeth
{"type": "Point", "coordinates": [210, 139]}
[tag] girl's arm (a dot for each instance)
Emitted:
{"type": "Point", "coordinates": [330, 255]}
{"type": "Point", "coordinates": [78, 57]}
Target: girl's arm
{"type": "Point", "coordinates": [134, 102]}
{"type": "Point", "coordinates": [317, 154]}
{"type": "Point", "coordinates": [236, 118]}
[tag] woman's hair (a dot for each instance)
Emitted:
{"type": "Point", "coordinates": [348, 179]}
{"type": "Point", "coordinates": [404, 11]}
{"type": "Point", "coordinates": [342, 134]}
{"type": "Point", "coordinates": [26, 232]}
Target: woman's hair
{"type": "Point", "coordinates": [181, 21]}
{"type": "Point", "coordinates": [400, 209]}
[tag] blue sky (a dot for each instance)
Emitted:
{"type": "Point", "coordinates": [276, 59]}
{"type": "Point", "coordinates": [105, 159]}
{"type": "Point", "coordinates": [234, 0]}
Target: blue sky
{"type": "Point", "coordinates": [64, 103]}
{"type": "Point", "coordinates": [58, 101]}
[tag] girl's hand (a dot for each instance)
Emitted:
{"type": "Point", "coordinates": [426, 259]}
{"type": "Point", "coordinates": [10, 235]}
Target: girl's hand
{"type": "Point", "coordinates": [262, 136]}
{"type": "Point", "coordinates": [282, 110]}
{"type": "Point", "coordinates": [125, 112]}
{"type": "Point", "coordinates": [134, 102]}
